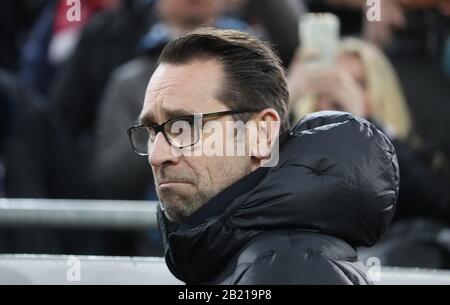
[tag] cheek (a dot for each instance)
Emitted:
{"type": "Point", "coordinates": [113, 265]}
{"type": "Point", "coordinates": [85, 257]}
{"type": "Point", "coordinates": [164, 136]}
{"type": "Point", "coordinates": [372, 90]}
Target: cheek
{"type": "Point", "coordinates": [197, 167]}
{"type": "Point", "coordinates": [231, 169]}
{"type": "Point", "coordinates": [216, 173]}
{"type": "Point", "coordinates": [208, 170]}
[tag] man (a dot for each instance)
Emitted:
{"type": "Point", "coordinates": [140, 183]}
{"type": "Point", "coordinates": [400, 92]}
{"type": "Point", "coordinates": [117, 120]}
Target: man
{"type": "Point", "coordinates": [232, 220]}
{"type": "Point", "coordinates": [113, 164]}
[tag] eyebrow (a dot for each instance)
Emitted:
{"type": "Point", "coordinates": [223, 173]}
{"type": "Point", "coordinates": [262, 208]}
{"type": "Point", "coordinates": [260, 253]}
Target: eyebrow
{"type": "Point", "coordinates": [168, 114]}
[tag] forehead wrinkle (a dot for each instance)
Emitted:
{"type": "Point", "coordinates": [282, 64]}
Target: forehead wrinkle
{"type": "Point", "coordinates": [178, 88]}
{"type": "Point", "coordinates": [153, 95]}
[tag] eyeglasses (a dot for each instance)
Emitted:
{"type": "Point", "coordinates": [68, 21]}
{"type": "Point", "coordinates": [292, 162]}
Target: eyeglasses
{"type": "Point", "coordinates": [180, 132]}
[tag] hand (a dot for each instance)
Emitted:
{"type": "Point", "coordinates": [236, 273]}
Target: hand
{"type": "Point", "coordinates": [393, 17]}
{"type": "Point", "coordinates": [444, 7]}
{"type": "Point", "coordinates": [418, 4]}
{"type": "Point", "coordinates": [331, 87]}
{"type": "Point", "coordinates": [297, 75]}
{"type": "Point", "coordinates": [381, 32]}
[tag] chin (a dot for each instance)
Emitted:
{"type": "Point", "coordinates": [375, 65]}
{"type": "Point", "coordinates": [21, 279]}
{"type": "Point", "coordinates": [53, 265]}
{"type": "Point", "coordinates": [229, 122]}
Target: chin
{"type": "Point", "coordinates": [172, 198]}
{"type": "Point", "coordinates": [173, 212]}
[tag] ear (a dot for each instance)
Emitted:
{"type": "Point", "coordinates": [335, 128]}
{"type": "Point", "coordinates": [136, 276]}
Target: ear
{"type": "Point", "coordinates": [264, 134]}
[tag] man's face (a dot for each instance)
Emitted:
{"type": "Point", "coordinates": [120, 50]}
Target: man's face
{"type": "Point", "coordinates": [185, 183]}
{"type": "Point", "coordinates": [189, 13]}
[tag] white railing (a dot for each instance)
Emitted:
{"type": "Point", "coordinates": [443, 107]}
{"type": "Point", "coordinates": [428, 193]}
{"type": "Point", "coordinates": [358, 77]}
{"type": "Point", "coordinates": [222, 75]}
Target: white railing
{"type": "Point", "coordinates": [100, 270]}
{"type": "Point", "coordinates": [56, 269]}
{"type": "Point", "coordinates": [78, 213]}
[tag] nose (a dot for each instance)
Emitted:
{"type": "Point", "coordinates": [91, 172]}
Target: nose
{"type": "Point", "coordinates": [162, 152]}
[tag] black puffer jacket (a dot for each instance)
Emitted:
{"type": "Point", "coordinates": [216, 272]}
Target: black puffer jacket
{"type": "Point", "coordinates": [334, 189]}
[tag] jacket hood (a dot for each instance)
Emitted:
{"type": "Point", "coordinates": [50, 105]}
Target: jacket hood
{"type": "Point", "coordinates": [337, 175]}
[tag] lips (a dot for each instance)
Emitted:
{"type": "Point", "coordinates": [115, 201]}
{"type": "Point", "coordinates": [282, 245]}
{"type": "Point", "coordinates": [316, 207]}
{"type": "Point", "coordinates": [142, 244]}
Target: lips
{"type": "Point", "coordinates": [168, 178]}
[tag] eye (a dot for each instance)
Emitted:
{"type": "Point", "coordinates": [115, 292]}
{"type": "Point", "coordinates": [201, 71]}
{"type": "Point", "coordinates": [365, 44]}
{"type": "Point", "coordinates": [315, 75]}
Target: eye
{"type": "Point", "coordinates": [182, 133]}
{"type": "Point", "coordinates": [142, 139]}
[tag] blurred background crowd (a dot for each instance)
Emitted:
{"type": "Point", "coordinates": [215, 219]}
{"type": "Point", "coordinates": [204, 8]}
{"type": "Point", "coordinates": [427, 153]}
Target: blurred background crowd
{"type": "Point", "coordinates": [70, 89]}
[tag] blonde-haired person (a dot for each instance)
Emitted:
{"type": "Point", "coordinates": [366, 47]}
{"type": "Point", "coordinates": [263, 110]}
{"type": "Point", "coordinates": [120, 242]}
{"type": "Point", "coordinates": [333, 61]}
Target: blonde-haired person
{"type": "Point", "coordinates": [364, 83]}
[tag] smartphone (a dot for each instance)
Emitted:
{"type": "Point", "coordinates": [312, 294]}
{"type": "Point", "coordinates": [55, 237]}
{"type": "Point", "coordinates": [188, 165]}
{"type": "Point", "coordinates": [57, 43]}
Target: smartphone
{"type": "Point", "coordinates": [319, 37]}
